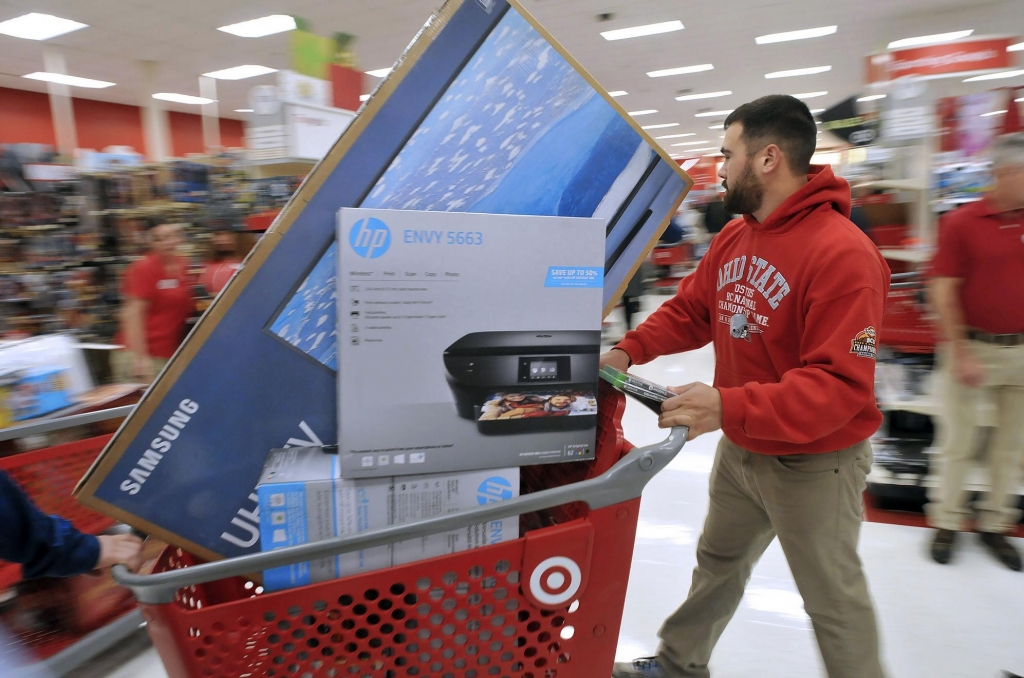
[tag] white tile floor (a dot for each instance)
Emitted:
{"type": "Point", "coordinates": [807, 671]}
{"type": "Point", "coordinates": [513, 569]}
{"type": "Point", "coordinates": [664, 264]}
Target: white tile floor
{"type": "Point", "coordinates": [965, 620]}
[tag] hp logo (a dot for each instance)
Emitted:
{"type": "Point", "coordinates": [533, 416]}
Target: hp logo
{"type": "Point", "coordinates": [493, 490]}
{"type": "Point", "coordinates": [370, 238]}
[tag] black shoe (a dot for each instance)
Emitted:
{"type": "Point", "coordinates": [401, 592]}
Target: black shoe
{"type": "Point", "coordinates": [942, 546]}
{"type": "Point", "coordinates": [1002, 549]}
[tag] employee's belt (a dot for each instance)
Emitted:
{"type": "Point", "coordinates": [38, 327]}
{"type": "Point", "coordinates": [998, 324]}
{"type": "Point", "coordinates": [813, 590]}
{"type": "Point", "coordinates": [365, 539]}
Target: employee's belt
{"type": "Point", "coordinates": [997, 339]}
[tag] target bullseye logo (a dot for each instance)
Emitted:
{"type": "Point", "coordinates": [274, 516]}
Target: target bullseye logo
{"type": "Point", "coordinates": [556, 581]}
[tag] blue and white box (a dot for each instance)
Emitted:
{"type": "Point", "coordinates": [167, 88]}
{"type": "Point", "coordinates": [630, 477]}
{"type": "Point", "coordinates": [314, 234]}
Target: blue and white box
{"type": "Point", "coordinates": [303, 499]}
{"type": "Point", "coordinates": [427, 496]}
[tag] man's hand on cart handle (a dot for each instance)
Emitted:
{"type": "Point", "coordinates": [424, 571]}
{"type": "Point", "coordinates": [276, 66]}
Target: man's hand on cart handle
{"type": "Point", "coordinates": [617, 358]}
{"type": "Point", "coordinates": [120, 549]}
{"type": "Point", "coordinates": [696, 406]}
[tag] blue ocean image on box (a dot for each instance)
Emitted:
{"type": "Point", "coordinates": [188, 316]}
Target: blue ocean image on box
{"type": "Point", "coordinates": [309, 320]}
{"type": "Point", "coordinates": [519, 131]}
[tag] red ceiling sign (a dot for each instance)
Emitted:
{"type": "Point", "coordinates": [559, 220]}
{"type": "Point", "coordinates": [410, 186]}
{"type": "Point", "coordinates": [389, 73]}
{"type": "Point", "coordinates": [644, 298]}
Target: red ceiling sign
{"type": "Point", "coordinates": [704, 173]}
{"type": "Point", "coordinates": [955, 57]}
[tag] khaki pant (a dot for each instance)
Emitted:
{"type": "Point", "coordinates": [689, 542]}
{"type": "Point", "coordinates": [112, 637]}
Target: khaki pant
{"type": "Point", "coordinates": [122, 364]}
{"type": "Point", "coordinates": [1004, 386]}
{"type": "Point", "coordinates": [813, 503]}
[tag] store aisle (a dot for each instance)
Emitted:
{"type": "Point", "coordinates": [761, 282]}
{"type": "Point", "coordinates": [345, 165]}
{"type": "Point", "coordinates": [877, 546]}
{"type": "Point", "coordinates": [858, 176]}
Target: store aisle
{"type": "Point", "coordinates": [959, 621]}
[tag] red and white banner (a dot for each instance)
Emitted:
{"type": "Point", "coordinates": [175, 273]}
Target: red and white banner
{"type": "Point", "coordinates": [955, 57]}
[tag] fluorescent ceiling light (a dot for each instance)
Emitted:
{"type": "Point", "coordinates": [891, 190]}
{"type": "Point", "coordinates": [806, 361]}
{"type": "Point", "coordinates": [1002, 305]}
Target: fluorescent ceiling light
{"type": "Point", "coordinates": [240, 72]}
{"type": "Point", "coordinates": [1019, 100]}
{"type": "Point", "coordinates": [690, 143]}
{"type": "Point", "coordinates": [641, 31]}
{"type": "Point", "coordinates": [691, 151]}
{"type": "Point", "coordinates": [664, 125]}
{"type": "Point", "coordinates": [989, 115]}
{"type": "Point", "coordinates": [69, 80]}
{"type": "Point", "coordinates": [722, 126]}
{"type": "Point", "coordinates": [649, 111]}
{"type": "Point", "coordinates": [258, 28]}
{"type": "Point", "coordinates": [1019, 47]}
{"type": "Point", "coordinates": [677, 136]}
{"type": "Point", "coordinates": [810, 95]}
{"type": "Point", "coordinates": [364, 97]}
{"type": "Point", "coordinates": [995, 76]}
{"type": "Point", "coordinates": [871, 97]}
{"type": "Point", "coordinates": [181, 98]}
{"type": "Point", "coordinates": [936, 39]}
{"type": "Point", "coordinates": [815, 111]}
{"type": "Point", "coordinates": [796, 35]}
{"type": "Point", "coordinates": [618, 93]}
{"type": "Point", "coordinates": [713, 114]}
{"type": "Point", "coordinates": [243, 110]}
{"type": "Point", "coordinates": [706, 95]}
{"type": "Point", "coordinates": [38, 26]}
{"type": "Point", "coordinates": [682, 70]}
{"type": "Point", "coordinates": [379, 73]}
{"type": "Point", "coordinates": [813, 70]}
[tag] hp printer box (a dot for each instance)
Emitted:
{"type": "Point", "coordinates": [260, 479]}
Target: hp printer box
{"type": "Point", "coordinates": [419, 497]}
{"type": "Point", "coordinates": [466, 341]}
{"type": "Point", "coordinates": [302, 499]}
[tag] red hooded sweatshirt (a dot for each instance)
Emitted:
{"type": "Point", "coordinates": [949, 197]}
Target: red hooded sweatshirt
{"type": "Point", "coordinates": [793, 307]}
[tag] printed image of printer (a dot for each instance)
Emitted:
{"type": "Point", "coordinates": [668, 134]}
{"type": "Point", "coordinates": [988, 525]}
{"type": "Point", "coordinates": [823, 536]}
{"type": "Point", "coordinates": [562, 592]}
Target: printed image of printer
{"type": "Point", "coordinates": [525, 382]}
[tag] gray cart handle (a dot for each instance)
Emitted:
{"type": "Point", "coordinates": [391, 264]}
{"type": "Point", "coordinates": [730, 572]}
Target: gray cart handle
{"type": "Point", "coordinates": [623, 482]}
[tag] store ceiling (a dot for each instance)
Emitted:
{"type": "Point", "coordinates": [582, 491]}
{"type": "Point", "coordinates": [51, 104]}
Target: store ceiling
{"type": "Point", "coordinates": [181, 36]}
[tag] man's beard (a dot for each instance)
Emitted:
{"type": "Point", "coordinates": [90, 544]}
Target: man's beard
{"type": "Point", "coordinates": [746, 195]}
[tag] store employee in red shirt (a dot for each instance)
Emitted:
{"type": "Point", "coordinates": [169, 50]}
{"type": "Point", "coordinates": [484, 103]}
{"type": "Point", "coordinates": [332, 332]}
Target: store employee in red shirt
{"type": "Point", "coordinates": [978, 291]}
{"type": "Point", "coordinates": [791, 295]}
{"type": "Point", "coordinates": [157, 303]}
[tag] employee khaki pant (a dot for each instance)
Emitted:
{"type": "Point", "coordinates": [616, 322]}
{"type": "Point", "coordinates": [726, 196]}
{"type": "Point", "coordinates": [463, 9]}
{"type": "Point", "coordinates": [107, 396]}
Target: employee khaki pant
{"type": "Point", "coordinates": [813, 503]}
{"type": "Point", "coordinates": [1004, 387]}
{"type": "Point", "coordinates": [122, 364]}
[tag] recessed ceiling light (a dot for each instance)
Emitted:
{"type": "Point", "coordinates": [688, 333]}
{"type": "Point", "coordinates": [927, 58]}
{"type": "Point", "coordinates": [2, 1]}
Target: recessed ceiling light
{"type": "Point", "coordinates": [618, 93]}
{"type": "Point", "coordinates": [1019, 47]}
{"type": "Point", "coordinates": [871, 97]}
{"type": "Point", "coordinates": [663, 125]}
{"type": "Point", "coordinates": [70, 80]}
{"type": "Point", "coordinates": [690, 143]}
{"type": "Point", "coordinates": [813, 70]}
{"type": "Point", "coordinates": [258, 28]}
{"type": "Point", "coordinates": [810, 95]}
{"type": "Point", "coordinates": [706, 95]}
{"type": "Point", "coordinates": [649, 111]}
{"type": "Point", "coordinates": [713, 114]}
{"type": "Point", "coordinates": [243, 110]}
{"type": "Point", "coordinates": [641, 31]}
{"type": "Point", "coordinates": [936, 39]}
{"type": "Point", "coordinates": [682, 70]}
{"type": "Point", "coordinates": [815, 111]}
{"type": "Point", "coordinates": [182, 98]}
{"type": "Point", "coordinates": [379, 73]}
{"type": "Point", "coordinates": [677, 136]}
{"type": "Point", "coordinates": [38, 26]}
{"type": "Point", "coordinates": [989, 115]}
{"type": "Point", "coordinates": [995, 76]}
{"type": "Point", "coordinates": [722, 126]}
{"type": "Point", "coordinates": [364, 97]}
{"type": "Point", "coordinates": [796, 35]}
{"type": "Point", "coordinates": [240, 72]}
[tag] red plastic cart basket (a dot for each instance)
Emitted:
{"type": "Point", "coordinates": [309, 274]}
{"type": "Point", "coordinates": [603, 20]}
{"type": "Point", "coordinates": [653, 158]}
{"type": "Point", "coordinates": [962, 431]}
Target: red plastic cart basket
{"type": "Point", "coordinates": [48, 477]}
{"type": "Point", "coordinates": [546, 605]}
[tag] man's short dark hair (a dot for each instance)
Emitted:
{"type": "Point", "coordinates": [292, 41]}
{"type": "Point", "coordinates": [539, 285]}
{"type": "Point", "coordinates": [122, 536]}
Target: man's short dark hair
{"type": "Point", "coordinates": [781, 120]}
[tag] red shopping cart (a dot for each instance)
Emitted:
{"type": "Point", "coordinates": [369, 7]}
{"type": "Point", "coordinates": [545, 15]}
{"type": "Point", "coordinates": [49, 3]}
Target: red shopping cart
{"type": "Point", "coordinates": [546, 605]}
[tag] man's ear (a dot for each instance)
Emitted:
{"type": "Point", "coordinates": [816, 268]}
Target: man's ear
{"type": "Point", "coordinates": [771, 159]}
